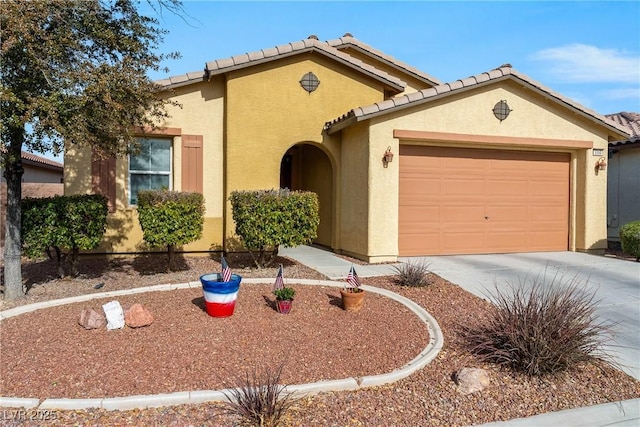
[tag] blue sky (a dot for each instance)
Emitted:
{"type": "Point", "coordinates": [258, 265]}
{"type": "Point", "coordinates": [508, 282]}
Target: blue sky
{"type": "Point", "coordinates": [588, 51]}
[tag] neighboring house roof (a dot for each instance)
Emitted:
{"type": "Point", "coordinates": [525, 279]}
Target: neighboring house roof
{"type": "Point", "coordinates": [311, 44]}
{"type": "Point", "coordinates": [348, 41]}
{"type": "Point", "coordinates": [30, 158]}
{"type": "Point", "coordinates": [631, 121]}
{"type": "Point", "coordinates": [503, 72]}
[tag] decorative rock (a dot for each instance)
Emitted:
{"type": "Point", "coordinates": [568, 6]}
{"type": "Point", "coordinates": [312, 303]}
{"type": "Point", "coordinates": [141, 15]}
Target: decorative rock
{"type": "Point", "coordinates": [470, 380]}
{"type": "Point", "coordinates": [91, 319]}
{"type": "Point", "coordinates": [138, 316]}
{"type": "Point", "coordinates": [114, 314]}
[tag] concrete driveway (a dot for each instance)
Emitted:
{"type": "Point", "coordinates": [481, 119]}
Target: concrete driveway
{"type": "Point", "coordinates": [616, 284]}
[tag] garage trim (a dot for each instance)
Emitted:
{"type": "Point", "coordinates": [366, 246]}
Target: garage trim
{"type": "Point", "coordinates": [496, 140]}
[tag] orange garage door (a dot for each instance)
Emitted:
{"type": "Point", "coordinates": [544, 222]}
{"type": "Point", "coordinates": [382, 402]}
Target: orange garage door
{"type": "Point", "coordinates": [470, 201]}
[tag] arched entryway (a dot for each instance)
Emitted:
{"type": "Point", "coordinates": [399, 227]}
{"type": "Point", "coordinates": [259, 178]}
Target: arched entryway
{"type": "Point", "coordinates": [307, 167]}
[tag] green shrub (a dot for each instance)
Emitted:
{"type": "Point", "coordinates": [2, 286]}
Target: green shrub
{"type": "Point", "coordinates": [414, 274]}
{"type": "Point", "coordinates": [170, 218]}
{"type": "Point", "coordinates": [630, 238]}
{"type": "Point", "coordinates": [285, 293]}
{"type": "Point", "coordinates": [266, 219]}
{"type": "Point", "coordinates": [64, 225]}
{"type": "Point", "coordinates": [542, 328]}
{"type": "Point", "coordinates": [260, 400]}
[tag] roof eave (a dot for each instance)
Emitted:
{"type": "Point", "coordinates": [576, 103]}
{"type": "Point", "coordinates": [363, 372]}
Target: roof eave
{"type": "Point", "coordinates": [388, 84]}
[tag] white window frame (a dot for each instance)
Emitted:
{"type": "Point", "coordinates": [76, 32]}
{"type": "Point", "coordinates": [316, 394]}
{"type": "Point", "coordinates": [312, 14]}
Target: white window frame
{"type": "Point", "coordinates": [168, 173]}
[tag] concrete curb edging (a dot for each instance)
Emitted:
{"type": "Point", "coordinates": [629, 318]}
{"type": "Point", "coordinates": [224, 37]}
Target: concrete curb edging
{"type": "Point", "coordinates": [428, 354]}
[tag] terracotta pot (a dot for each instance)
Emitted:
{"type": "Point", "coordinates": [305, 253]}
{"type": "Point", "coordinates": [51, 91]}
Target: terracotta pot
{"type": "Point", "coordinates": [352, 301]}
{"type": "Point", "coordinates": [284, 306]}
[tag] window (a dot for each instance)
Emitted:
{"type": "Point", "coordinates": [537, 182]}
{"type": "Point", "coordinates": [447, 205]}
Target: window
{"type": "Point", "coordinates": [150, 168]}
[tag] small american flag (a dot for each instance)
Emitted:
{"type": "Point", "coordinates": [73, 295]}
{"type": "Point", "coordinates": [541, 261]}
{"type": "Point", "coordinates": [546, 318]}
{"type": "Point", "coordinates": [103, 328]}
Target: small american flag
{"type": "Point", "coordinates": [353, 279]}
{"type": "Point", "coordinates": [279, 284]}
{"type": "Point", "coordinates": [226, 271]}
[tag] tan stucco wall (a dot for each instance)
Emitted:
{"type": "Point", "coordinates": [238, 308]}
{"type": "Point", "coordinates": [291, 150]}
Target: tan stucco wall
{"type": "Point", "coordinates": [471, 113]}
{"type": "Point", "coordinates": [354, 209]}
{"type": "Point", "coordinates": [201, 113]}
{"type": "Point", "coordinates": [268, 112]}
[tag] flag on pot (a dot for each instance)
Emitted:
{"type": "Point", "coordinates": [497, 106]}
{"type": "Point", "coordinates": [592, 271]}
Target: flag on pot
{"type": "Point", "coordinates": [352, 278]}
{"type": "Point", "coordinates": [279, 284]}
{"type": "Point", "coordinates": [226, 271]}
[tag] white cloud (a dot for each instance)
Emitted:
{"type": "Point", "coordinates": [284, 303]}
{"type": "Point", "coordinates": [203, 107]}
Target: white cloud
{"type": "Point", "coordinates": [622, 93]}
{"type": "Point", "coordinates": [582, 63]}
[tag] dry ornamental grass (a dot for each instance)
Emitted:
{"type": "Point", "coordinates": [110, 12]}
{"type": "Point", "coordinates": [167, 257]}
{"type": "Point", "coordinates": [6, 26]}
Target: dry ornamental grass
{"type": "Point", "coordinates": [47, 354]}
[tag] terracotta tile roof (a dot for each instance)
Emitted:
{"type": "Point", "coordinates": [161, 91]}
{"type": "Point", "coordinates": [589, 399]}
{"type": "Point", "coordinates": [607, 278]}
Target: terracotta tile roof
{"type": "Point", "coordinates": [629, 120]}
{"type": "Point", "coordinates": [504, 72]}
{"type": "Point", "coordinates": [30, 157]}
{"type": "Point", "coordinates": [348, 41]}
{"type": "Point", "coordinates": [181, 80]}
{"type": "Point", "coordinates": [311, 44]}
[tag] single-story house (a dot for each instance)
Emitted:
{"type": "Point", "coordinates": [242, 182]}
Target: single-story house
{"type": "Point", "coordinates": [42, 177]}
{"type": "Point", "coordinates": [403, 163]}
{"type": "Point", "coordinates": [623, 177]}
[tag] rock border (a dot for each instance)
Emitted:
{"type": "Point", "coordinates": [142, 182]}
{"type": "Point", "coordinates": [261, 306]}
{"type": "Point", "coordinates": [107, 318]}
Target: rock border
{"type": "Point", "coordinates": [428, 354]}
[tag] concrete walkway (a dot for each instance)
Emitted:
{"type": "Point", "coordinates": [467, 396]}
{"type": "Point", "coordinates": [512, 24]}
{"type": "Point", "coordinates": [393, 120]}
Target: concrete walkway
{"type": "Point", "coordinates": [616, 284]}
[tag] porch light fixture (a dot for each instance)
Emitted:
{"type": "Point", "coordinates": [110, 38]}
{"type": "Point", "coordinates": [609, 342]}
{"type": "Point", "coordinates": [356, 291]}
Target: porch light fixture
{"type": "Point", "coordinates": [309, 82]}
{"type": "Point", "coordinates": [501, 110]}
{"type": "Point", "coordinates": [601, 164]}
{"type": "Point", "coordinates": [387, 157]}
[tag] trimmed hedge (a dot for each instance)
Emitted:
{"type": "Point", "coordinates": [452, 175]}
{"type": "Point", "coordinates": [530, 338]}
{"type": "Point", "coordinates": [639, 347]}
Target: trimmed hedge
{"type": "Point", "coordinates": [266, 219]}
{"type": "Point", "coordinates": [64, 224]}
{"type": "Point", "coordinates": [170, 218]}
{"type": "Point", "coordinates": [630, 238]}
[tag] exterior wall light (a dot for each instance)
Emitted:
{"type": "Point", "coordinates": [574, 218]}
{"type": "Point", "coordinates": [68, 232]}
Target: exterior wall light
{"type": "Point", "coordinates": [601, 164]}
{"type": "Point", "coordinates": [501, 110]}
{"type": "Point", "coordinates": [387, 157]}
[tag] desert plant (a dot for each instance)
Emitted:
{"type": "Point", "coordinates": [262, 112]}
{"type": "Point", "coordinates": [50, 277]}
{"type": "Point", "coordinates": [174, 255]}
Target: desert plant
{"type": "Point", "coordinates": [266, 219]}
{"type": "Point", "coordinates": [285, 293]}
{"type": "Point", "coordinates": [260, 400]}
{"type": "Point", "coordinates": [630, 238]}
{"type": "Point", "coordinates": [170, 218]}
{"type": "Point", "coordinates": [541, 327]}
{"type": "Point", "coordinates": [412, 274]}
{"type": "Point", "coordinates": [63, 225]}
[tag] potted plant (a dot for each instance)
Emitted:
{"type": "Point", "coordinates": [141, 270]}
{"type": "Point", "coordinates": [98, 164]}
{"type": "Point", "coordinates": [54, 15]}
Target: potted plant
{"type": "Point", "coordinates": [284, 299]}
{"type": "Point", "coordinates": [284, 294]}
{"type": "Point", "coordinates": [352, 294]}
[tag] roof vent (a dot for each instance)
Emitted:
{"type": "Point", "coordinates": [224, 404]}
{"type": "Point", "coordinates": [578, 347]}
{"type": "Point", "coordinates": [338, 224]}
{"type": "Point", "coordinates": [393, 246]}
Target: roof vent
{"type": "Point", "coordinates": [507, 65]}
{"type": "Point", "coordinates": [347, 35]}
{"type": "Point", "coordinates": [313, 36]}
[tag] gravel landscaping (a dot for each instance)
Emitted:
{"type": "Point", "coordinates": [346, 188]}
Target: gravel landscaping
{"type": "Point", "coordinates": [47, 354]}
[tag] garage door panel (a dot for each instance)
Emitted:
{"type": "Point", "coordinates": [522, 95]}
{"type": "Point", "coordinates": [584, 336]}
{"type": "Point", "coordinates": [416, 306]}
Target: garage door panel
{"type": "Point", "coordinates": [506, 213]}
{"type": "Point", "coordinates": [462, 187]}
{"type": "Point", "coordinates": [417, 244]}
{"type": "Point", "coordinates": [462, 213]}
{"type": "Point", "coordinates": [454, 242]}
{"type": "Point", "coordinates": [482, 201]}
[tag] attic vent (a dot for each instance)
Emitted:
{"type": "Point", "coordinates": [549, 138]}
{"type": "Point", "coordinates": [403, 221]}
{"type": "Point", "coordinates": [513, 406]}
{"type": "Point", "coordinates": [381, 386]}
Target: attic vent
{"type": "Point", "coordinates": [309, 82]}
{"type": "Point", "coordinates": [501, 110]}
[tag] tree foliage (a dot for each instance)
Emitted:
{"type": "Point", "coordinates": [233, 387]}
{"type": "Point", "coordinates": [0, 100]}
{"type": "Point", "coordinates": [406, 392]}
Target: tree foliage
{"type": "Point", "coordinates": [63, 225]}
{"type": "Point", "coordinates": [170, 218]}
{"type": "Point", "coordinates": [267, 219]}
{"type": "Point", "coordinates": [72, 72]}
